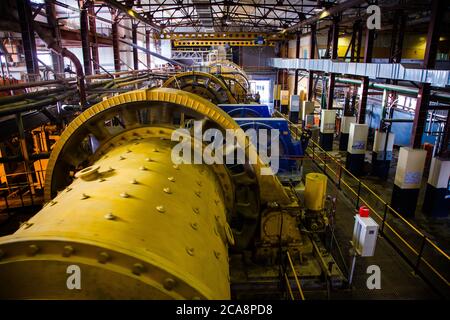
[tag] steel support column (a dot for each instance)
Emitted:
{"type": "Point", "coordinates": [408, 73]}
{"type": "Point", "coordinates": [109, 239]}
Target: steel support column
{"type": "Point", "coordinates": [28, 39]}
{"type": "Point", "coordinates": [84, 32]}
{"type": "Point", "coordinates": [358, 43]}
{"type": "Point", "coordinates": [398, 32]}
{"type": "Point", "coordinates": [282, 73]}
{"type": "Point", "coordinates": [312, 53]}
{"type": "Point", "coordinates": [115, 42]}
{"type": "Point", "coordinates": [147, 46]}
{"type": "Point", "coordinates": [297, 55]}
{"type": "Point", "coordinates": [333, 56]}
{"type": "Point", "coordinates": [355, 53]}
{"type": "Point", "coordinates": [94, 43]}
{"type": "Point", "coordinates": [420, 115]}
{"type": "Point", "coordinates": [368, 50]}
{"type": "Point", "coordinates": [423, 98]}
{"type": "Point", "coordinates": [363, 100]}
{"type": "Point", "coordinates": [57, 59]}
{"type": "Point", "coordinates": [285, 72]}
{"type": "Point", "coordinates": [445, 152]}
{"type": "Point", "coordinates": [395, 55]}
{"type": "Point", "coordinates": [135, 50]}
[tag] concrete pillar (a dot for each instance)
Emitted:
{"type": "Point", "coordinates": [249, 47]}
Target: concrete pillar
{"type": "Point", "coordinates": [284, 101]}
{"type": "Point", "coordinates": [294, 108]}
{"type": "Point", "coordinates": [307, 111]}
{"type": "Point", "coordinates": [383, 145]}
{"type": "Point", "coordinates": [408, 178]}
{"type": "Point", "coordinates": [276, 96]}
{"type": "Point", "coordinates": [345, 131]}
{"type": "Point", "coordinates": [437, 195]}
{"type": "Point", "coordinates": [356, 149]}
{"type": "Point", "coordinates": [327, 128]}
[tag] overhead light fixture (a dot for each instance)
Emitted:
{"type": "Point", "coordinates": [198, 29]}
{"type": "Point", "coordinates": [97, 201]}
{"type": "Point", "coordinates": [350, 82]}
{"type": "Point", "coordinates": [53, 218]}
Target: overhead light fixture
{"type": "Point", "coordinates": [324, 14]}
{"type": "Point", "coordinates": [226, 20]}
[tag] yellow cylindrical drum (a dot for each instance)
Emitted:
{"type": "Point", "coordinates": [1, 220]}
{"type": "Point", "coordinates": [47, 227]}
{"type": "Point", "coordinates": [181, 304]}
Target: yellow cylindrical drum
{"type": "Point", "coordinates": [315, 191]}
{"type": "Point", "coordinates": [302, 95]}
{"type": "Point", "coordinates": [132, 226]}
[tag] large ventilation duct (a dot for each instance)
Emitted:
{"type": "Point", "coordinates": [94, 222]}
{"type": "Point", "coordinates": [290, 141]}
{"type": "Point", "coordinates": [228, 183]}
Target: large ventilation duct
{"type": "Point", "coordinates": [204, 12]}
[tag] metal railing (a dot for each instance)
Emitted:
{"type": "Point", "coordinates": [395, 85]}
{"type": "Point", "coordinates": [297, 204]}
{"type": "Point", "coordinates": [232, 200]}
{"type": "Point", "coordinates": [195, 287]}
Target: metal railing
{"type": "Point", "coordinates": [290, 266]}
{"type": "Point", "coordinates": [425, 257]}
{"type": "Point", "coordinates": [23, 192]}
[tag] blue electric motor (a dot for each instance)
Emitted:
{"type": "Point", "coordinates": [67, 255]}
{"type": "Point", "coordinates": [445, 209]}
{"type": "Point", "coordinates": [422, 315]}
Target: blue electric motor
{"type": "Point", "coordinates": [289, 149]}
{"type": "Point", "coordinates": [253, 110]}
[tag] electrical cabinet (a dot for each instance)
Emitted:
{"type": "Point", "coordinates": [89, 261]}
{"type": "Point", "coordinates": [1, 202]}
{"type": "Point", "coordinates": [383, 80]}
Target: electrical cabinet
{"type": "Point", "coordinates": [365, 234]}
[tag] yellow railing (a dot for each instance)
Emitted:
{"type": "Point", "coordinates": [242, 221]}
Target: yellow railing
{"type": "Point", "coordinates": [297, 281]}
{"type": "Point", "coordinates": [412, 244]}
{"type": "Point", "coordinates": [22, 192]}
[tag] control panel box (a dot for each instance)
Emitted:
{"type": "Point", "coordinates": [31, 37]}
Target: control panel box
{"type": "Point", "coordinates": [365, 233]}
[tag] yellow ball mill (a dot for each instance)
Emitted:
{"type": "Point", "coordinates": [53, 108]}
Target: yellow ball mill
{"type": "Point", "coordinates": [135, 225]}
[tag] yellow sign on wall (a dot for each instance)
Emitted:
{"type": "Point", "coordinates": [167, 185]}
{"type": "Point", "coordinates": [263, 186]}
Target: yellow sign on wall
{"type": "Point", "coordinates": [276, 91]}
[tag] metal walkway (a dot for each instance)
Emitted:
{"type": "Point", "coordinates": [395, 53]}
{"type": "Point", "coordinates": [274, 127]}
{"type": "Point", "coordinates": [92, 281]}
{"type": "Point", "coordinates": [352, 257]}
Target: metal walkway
{"type": "Point", "coordinates": [398, 280]}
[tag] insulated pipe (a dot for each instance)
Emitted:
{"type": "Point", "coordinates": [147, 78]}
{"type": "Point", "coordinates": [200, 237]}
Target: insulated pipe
{"type": "Point", "coordinates": [25, 85]}
{"type": "Point", "coordinates": [157, 55]}
{"type": "Point", "coordinates": [13, 109]}
{"type": "Point", "coordinates": [396, 88]}
{"type": "Point", "coordinates": [23, 97]}
{"type": "Point", "coordinates": [80, 74]}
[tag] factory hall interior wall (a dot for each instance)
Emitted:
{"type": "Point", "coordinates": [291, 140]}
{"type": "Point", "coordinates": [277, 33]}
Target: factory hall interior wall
{"type": "Point", "coordinates": [304, 47]}
{"type": "Point", "coordinates": [255, 61]}
{"type": "Point", "coordinates": [257, 56]}
{"type": "Point", "coordinates": [413, 48]}
{"type": "Point", "coordinates": [402, 131]}
{"type": "Point", "coordinates": [413, 45]}
{"type": "Point", "coordinates": [304, 54]}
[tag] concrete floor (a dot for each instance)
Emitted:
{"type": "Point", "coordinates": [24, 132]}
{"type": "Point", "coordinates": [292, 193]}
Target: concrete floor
{"type": "Point", "coordinates": [397, 278]}
{"type": "Point", "coordinates": [399, 282]}
{"type": "Point", "coordinates": [436, 229]}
